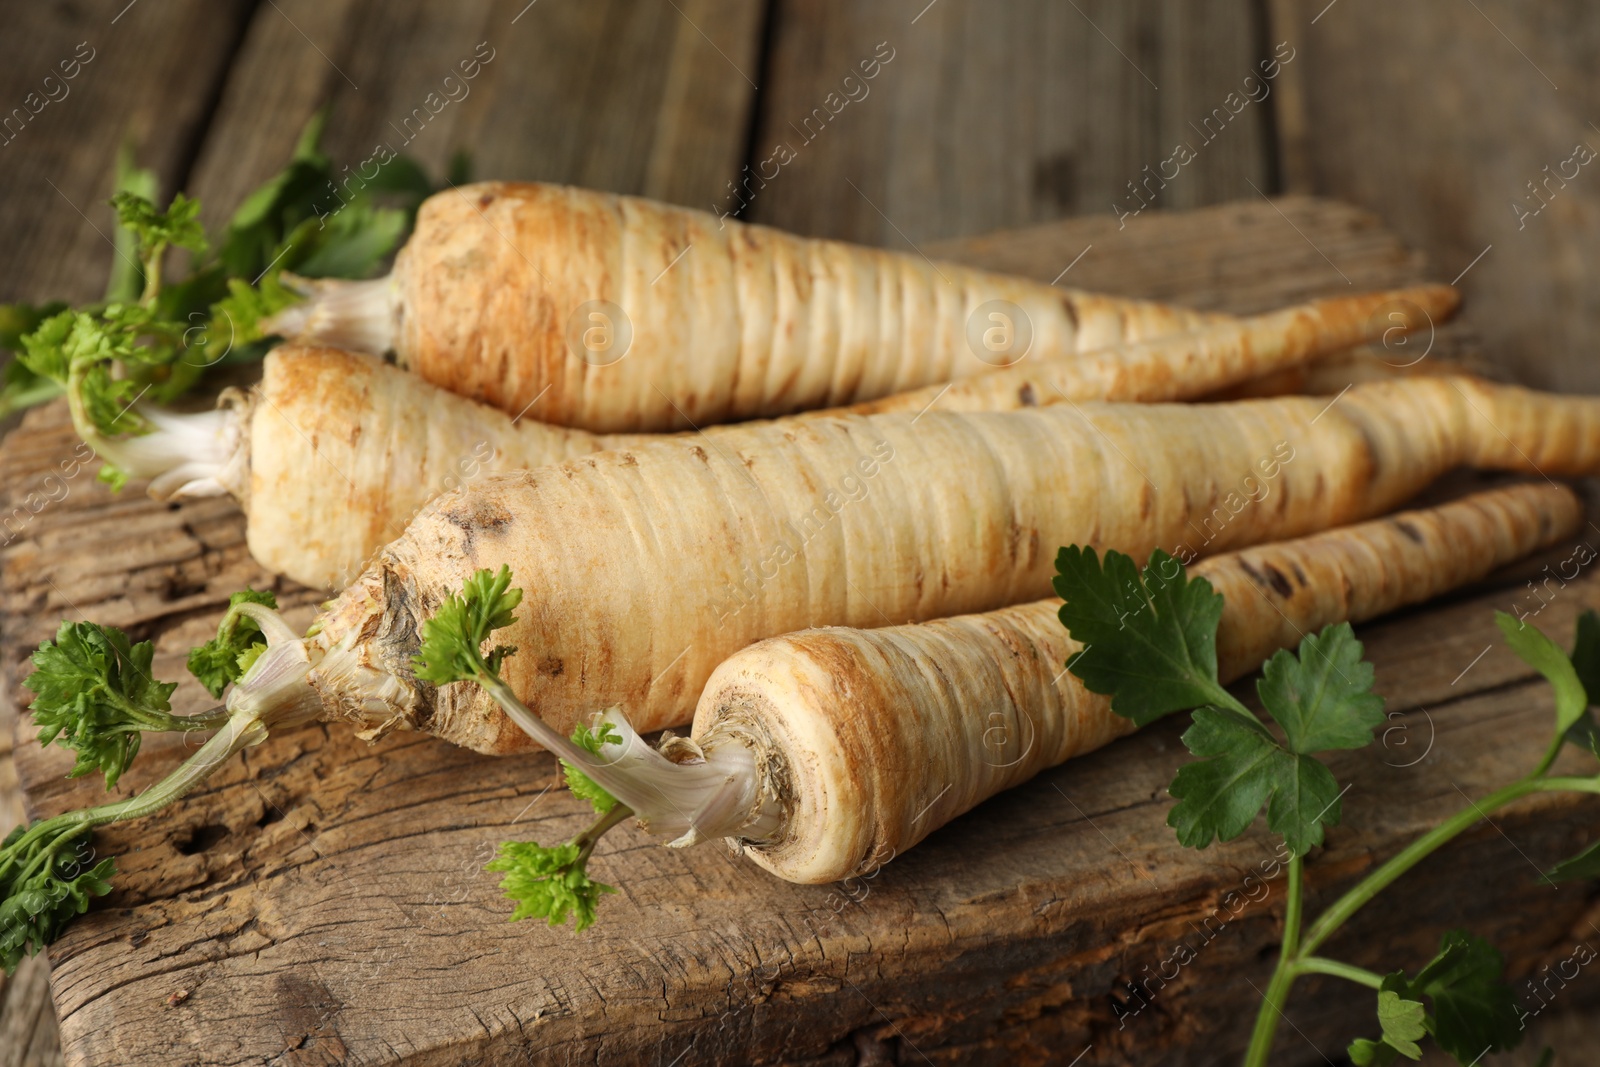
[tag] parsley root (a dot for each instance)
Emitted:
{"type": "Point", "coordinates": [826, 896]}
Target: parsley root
{"type": "Point", "coordinates": [498, 296]}
{"type": "Point", "coordinates": [872, 520]}
{"type": "Point", "coordinates": [877, 737]}
{"type": "Point", "coordinates": [334, 452]}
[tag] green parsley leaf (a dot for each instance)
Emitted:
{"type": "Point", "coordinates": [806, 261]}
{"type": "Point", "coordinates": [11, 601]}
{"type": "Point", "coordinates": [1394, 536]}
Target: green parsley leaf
{"type": "Point", "coordinates": [1547, 657]}
{"type": "Point", "coordinates": [1322, 699]}
{"type": "Point", "coordinates": [46, 879]}
{"type": "Point", "coordinates": [237, 317]}
{"type": "Point", "coordinates": [353, 241]}
{"type": "Point", "coordinates": [1403, 1021]}
{"type": "Point", "coordinates": [549, 883]}
{"type": "Point", "coordinates": [19, 319]}
{"type": "Point", "coordinates": [1149, 637]}
{"type": "Point", "coordinates": [452, 640]}
{"type": "Point", "coordinates": [1364, 1052]}
{"type": "Point", "coordinates": [95, 695]}
{"type": "Point", "coordinates": [223, 660]}
{"type": "Point", "coordinates": [178, 226]}
{"type": "Point", "coordinates": [1238, 771]}
{"type": "Point", "coordinates": [581, 784]}
{"type": "Point", "coordinates": [1474, 1010]}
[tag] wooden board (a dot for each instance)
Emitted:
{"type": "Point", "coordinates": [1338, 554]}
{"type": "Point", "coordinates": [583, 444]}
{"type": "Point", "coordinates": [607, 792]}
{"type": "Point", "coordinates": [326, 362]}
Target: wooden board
{"type": "Point", "coordinates": [987, 116]}
{"type": "Point", "coordinates": [661, 87]}
{"type": "Point", "coordinates": [145, 74]}
{"type": "Point", "coordinates": [1443, 123]}
{"type": "Point", "coordinates": [322, 901]}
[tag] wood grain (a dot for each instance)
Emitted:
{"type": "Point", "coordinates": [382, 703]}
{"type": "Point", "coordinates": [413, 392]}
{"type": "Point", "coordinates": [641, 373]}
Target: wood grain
{"type": "Point", "coordinates": [660, 87]}
{"type": "Point", "coordinates": [151, 74]}
{"type": "Point", "coordinates": [322, 901]}
{"type": "Point", "coordinates": [991, 116]}
{"type": "Point", "coordinates": [1438, 118]}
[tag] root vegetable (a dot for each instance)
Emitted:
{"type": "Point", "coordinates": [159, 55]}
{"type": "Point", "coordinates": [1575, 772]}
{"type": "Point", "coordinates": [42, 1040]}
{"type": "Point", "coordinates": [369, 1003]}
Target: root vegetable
{"type": "Point", "coordinates": [645, 568]}
{"type": "Point", "coordinates": [617, 313]}
{"type": "Point", "coordinates": [875, 738]}
{"type": "Point", "coordinates": [332, 453]}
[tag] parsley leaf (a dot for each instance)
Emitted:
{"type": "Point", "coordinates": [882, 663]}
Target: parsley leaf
{"type": "Point", "coordinates": [549, 883]}
{"type": "Point", "coordinates": [1547, 657]}
{"type": "Point", "coordinates": [1238, 771]}
{"type": "Point", "coordinates": [95, 695]}
{"type": "Point", "coordinates": [453, 638]}
{"type": "Point", "coordinates": [581, 784]}
{"type": "Point", "coordinates": [1322, 699]}
{"type": "Point", "coordinates": [1403, 1022]}
{"type": "Point", "coordinates": [46, 879]}
{"type": "Point", "coordinates": [1150, 638]}
{"type": "Point", "coordinates": [178, 226]}
{"type": "Point", "coordinates": [1474, 1010]}
{"type": "Point", "coordinates": [223, 660]}
{"type": "Point", "coordinates": [1322, 696]}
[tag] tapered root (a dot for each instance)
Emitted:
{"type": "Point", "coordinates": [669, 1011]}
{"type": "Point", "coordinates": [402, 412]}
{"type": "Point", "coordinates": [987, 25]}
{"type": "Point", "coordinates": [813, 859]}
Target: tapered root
{"type": "Point", "coordinates": [874, 738]}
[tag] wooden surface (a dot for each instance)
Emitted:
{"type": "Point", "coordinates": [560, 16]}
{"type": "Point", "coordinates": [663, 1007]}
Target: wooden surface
{"type": "Point", "coordinates": [1438, 115]}
{"type": "Point", "coordinates": [992, 116]}
{"type": "Point", "coordinates": [321, 901]}
{"type": "Point", "coordinates": [1433, 115]}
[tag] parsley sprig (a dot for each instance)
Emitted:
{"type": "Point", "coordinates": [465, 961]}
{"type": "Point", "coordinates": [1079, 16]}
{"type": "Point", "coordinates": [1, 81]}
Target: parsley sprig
{"type": "Point", "coordinates": [154, 337]}
{"type": "Point", "coordinates": [545, 882]}
{"type": "Point", "coordinates": [1149, 638]}
{"type": "Point", "coordinates": [95, 694]}
{"type": "Point", "coordinates": [225, 658]}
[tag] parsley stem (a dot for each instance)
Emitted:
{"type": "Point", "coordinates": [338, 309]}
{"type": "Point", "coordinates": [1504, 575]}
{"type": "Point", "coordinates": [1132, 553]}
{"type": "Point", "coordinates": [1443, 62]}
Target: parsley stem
{"type": "Point", "coordinates": [1283, 975]}
{"type": "Point", "coordinates": [1550, 755]}
{"type": "Point", "coordinates": [601, 826]}
{"type": "Point", "coordinates": [1338, 969]}
{"type": "Point", "coordinates": [1342, 909]}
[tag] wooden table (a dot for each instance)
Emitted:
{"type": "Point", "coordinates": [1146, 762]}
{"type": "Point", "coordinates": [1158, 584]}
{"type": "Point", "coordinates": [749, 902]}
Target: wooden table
{"type": "Point", "coordinates": [322, 901]}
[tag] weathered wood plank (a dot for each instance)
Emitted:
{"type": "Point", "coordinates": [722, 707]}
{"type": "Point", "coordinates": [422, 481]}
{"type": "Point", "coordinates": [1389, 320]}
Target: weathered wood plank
{"type": "Point", "coordinates": [1444, 121]}
{"type": "Point", "coordinates": [983, 116]}
{"type": "Point", "coordinates": [77, 80]}
{"type": "Point", "coordinates": [322, 901]}
{"type": "Point", "coordinates": [637, 96]}
{"type": "Point", "coordinates": [146, 75]}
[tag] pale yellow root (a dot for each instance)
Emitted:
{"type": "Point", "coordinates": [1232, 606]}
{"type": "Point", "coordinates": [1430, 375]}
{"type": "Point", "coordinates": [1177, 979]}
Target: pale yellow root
{"type": "Point", "coordinates": [875, 738]}
{"type": "Point", "coordinates": [344, 449]}
{"type": "Point", "coordinates": [644, 568]}
{"type": "Point", "coordinates": [700, 320]}
{"type": "Point", "coordinates": [1196, 364]}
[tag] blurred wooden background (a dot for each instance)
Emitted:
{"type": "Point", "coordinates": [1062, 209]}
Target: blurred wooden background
{"type": "Point", "coordinates": [1465, 124]}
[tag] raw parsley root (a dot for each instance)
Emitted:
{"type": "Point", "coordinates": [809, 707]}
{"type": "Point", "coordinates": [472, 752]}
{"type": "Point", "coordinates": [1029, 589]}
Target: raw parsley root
{"type": "Point", "coordinates": [873, 738]}
{"type": "Point", "coordinates": [319, 453]}
{"type": "Point", "coordinates": [153, 337]}
{"type": "Point", "coordinates": [866, 728]}
{"type": "Point", "coordinates": [1190, 365]}
{"type": "Point", "coordinates": [646, 567]}
{"type": "Point", "coordinates": [492, 298]}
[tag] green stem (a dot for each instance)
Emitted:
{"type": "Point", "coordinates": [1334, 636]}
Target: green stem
{"type": "Point", "coordinates": [41, 841]}
{"type": "Point", "coordinates": [1370, 886]}
{"type": "Point", "coordinates": [1339, 969]}
{"type": "Point", "coordinates": [152, 275]}
{"type": "Point", "coordinates": [601, 826]}
{"type": "Point", "coordinates": [1283, 975]}
{"type": "Point", "coordinates": [1549, 756]}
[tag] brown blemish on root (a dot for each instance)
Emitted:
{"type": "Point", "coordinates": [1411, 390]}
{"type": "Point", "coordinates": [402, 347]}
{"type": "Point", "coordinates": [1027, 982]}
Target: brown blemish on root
{"type": "Point", "coordinates": [1409, 530]}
